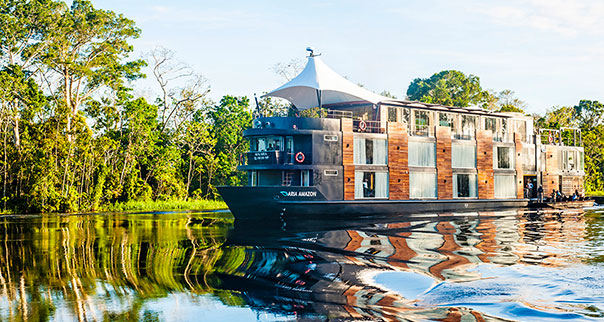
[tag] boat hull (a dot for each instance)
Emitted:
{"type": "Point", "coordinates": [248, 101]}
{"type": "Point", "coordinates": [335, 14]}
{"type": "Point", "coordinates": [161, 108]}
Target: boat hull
{"type": "Point", "coordinates": [278, 202]}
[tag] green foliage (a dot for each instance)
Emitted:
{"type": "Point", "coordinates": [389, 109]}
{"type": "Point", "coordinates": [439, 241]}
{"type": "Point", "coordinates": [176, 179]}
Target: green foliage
{"type": "Point", "coordinates": [448, 87]}
{"type": "Point", "coordinates": [73, 136]}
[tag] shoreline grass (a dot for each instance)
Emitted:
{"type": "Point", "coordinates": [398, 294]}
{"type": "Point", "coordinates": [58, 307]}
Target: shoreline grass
{"type": "Point", "coordinates": [153, 205]}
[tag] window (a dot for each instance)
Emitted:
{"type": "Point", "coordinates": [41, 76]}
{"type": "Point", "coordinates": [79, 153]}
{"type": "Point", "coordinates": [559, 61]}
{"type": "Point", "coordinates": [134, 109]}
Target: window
{"type": "Point", "coordinates": [288, 177]}
{"type": "Point", "coordinates": [490, 124]}
{"type": "Point", "coordinates": [331, 173]}
{"type": "Point", "coordinates": [305, 178]}
{"type": "Point", "coordinates": [422, 185]}
{"type": "Point", "coordinates": [463, 156]}
{"type": "Point", "coordinates": [392, 114]}
{"type": "Point", "coordinates": [370, 151]}
{"type": "Point", "coordinates": [503, 157]}
{"type": "Point", "coordinates": [422, 154]}
{"type": "Point", "coordinates": [330, 138]}
{"type": "Point", "coordinates": [446, 119]}
{"type": "Point", "coordinates": [398, 114]}
{"type": "Point", "coordinates": [468, 126]}
{"type": "Point", "coordinates": [253, 178]}
{"type": "Point", "coordinates": [581, 156]}
{"type": "Point", "coordinates": [370, 184]}
{"type": "Point", "coordinates": [270, 143]}
{"type": "Point", "coordinates": [464, 186]}
{"type": "Point", "coordinates": [422, 123]}
{"type": "Point", "coordinates": [505, 186]}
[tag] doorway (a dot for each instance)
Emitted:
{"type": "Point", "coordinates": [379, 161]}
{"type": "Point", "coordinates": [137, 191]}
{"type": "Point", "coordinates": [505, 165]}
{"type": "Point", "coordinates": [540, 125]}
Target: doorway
{"type": "Point", "coordinates": [530, 186]}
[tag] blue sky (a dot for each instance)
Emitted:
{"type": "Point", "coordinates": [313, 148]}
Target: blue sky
{"type": "Point", "coordinates": [549, 52]}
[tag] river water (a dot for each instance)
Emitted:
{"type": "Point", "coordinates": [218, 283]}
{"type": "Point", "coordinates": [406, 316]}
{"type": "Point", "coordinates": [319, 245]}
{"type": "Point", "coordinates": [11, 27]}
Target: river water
{"type": "Point", "coordinates": [199, 266]}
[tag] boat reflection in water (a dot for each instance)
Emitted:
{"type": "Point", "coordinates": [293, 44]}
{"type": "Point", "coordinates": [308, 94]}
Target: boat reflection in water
{"type": "Point", "coordinates": [473, 267]}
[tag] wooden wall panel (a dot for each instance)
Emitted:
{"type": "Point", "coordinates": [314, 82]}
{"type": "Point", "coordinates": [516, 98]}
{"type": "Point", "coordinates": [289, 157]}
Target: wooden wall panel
{"type": "Point", "coordinates": [484, 164]}
{"type": "Point", "coordinates": [551, 180]}
{"type": "Point", "coordinates": [443, 162]}
{"type": "Point", "coordinates": [348, 158]}
{"type": "Point", "coordinates": [398, 161]}
{"type": "Point", "coordinates": [519, 168]}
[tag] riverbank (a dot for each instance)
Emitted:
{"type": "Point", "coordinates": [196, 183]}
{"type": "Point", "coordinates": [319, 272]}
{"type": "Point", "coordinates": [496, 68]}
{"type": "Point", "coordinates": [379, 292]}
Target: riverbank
{"type": "Point", "coordinates": [154, 205]}
{"type": "Point", "coordinates": [191, 204]}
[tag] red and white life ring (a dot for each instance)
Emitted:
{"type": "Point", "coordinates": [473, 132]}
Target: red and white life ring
{"type": "Point", "coordinates": [550, 138]}
{"type": "Point", "coordinates": [300, 157]}
{"type": "Point", "coordinates": [362, 126]}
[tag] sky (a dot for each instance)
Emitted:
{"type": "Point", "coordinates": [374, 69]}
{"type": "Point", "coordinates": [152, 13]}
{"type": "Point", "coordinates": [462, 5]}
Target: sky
{"type": "Point", "coordinates": [550, 52]}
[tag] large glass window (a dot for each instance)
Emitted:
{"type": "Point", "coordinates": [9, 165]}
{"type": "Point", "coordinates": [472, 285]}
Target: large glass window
{"type": "Point", "coordinates": [269, 143]}
{"type": "Point", "coordinates": [463, 156]}
{"type": "Point", "coordinates": [370, 184]}
{"type": "Point", "coordinates": [422, 154]}
{"type": "Point", "coordinates": [422, 185]}
{"type": "Point", "coordinates": [503, 157]}
{"type": "Point", "coordinates": [505, 186]}
{"type": "Point", "coordinates": [398, 114]}
{"type": "Point", "coordinates": [464, 186]}
{"type": "Point", "coordinates": [370, 151]}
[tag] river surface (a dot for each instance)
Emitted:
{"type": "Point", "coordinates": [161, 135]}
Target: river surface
{"type": "Point", "coordinates": [199, 266]}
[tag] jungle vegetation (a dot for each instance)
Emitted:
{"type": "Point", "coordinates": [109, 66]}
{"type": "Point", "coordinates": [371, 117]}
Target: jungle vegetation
{"type": "Point", "coordinates": [76, 137]}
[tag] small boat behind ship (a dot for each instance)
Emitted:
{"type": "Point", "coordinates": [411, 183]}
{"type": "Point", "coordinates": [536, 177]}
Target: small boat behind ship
{"type": "Point", "coordinates": [368, 155]}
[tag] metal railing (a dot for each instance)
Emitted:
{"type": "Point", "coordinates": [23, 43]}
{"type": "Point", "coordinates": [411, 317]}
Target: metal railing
{"type": "Point", "coordinates": [266, 157]}
{"type": "Point", "coordinates": [366, 126]}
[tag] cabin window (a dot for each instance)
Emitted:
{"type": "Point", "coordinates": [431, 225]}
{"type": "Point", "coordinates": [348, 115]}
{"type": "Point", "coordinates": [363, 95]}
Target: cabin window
{"type": "Point", "coordinates": [503, 157]}
{"type": "Point", "coordinates": [464, 186]}
{"type": "Point", "coordinates": [422, 154]}
{"type": "Point", "coordinates": [253, 178]}
{"type": "Point", "coordinates": [270, 178]}
{"type": "Point", "coordinates": [490, 124]}
{"type": "Point", "coordinates": [370, 151]}
{"type": "Point", "coordinates": [581, 156]}
{"type": "Point", "coordinates": [422, 185]}
{"type": "Point", "coordinates": [371, 184]}
{"type": "Point", "coordinates": [505, 186]}
{"type": "Point", "coordinates": [269, 143]}
{"type": "Point", "coordinates": [568, 160]}
{"type": "Point", "coordinates": [468, 126]}
{"type": "Point", "coordinates": [305, 178]}
{"type": "Point", "coordinates": [422, 123]}
{"type": "Point", "coordinates": [446, 119]}
{"type": "Point", "coordinates": [398, 114]}
{"type": "Point", "coordinates": [463, 156]}
{"type": "Point", "coordinates": [392, 114]}
{"type": "Point", "coordinates": [287, 178]}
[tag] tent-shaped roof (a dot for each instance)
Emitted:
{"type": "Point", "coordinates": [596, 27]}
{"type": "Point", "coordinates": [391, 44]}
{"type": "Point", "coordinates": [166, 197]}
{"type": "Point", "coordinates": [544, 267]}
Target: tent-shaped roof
{"type": "Point", "coordinates": [319, 85]}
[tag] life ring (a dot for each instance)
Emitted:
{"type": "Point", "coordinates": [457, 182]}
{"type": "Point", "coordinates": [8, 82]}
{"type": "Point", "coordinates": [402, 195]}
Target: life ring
{"type": "Point", "coordinates": [362, 126]}
{"type": "Point", "coordinates": [300, 157]}
{"type": "Point", "coordinates": [241, 159]}
{"type": "Point", "coordinates": [551, 138]}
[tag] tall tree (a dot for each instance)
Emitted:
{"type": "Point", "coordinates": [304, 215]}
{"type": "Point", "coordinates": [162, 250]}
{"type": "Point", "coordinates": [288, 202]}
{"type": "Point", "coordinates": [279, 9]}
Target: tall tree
{"type": "Point", "coordinates": [448, 87]}
{"type": "Point", "coordinates": [88, 54]}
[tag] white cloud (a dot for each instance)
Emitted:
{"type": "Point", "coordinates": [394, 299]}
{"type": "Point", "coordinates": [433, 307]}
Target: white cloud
{"type": "Point", "coordinates": [567, 18]}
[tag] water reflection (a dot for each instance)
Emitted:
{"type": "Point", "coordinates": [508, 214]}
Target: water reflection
{"type": "Point", "coordinates": [472, 267]}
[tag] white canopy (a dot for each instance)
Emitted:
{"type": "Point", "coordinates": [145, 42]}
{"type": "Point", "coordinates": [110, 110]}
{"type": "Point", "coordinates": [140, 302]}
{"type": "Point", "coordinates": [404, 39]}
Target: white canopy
{"type": "Point", "coordinates": [319, 85]}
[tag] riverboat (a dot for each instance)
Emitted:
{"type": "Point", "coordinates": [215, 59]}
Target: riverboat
{"type": "Point", "coordinates": [366, 154]}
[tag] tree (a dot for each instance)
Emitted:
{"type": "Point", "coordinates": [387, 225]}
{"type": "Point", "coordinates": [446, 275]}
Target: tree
{"type": "Point", "coordinates": [508, 102]}
{"type": "Point", "coordinates": [589, 113]}
{"type": "Point", "coordinates": [87, 54]}
{"type": "Point", "coordinates": [448, 87]}
{"type": "Point", "coordinates": [177, 103]}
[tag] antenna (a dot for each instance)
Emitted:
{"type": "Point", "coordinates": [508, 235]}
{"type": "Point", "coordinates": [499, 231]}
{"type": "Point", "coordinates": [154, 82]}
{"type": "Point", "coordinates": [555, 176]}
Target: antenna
{"type": "Point", "coordinates": [312, 52]}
